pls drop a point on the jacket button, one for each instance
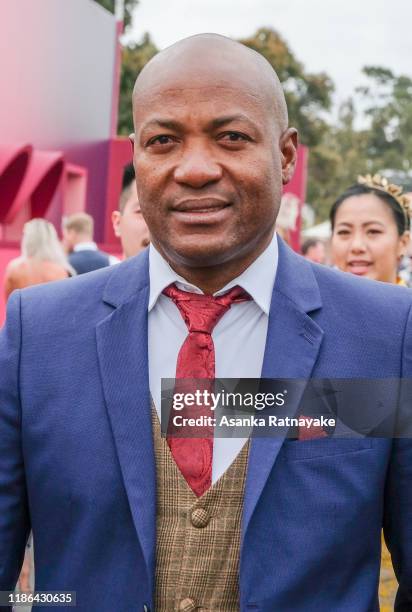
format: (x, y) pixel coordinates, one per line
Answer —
(187, 605)
(146, 608)
(199, 518)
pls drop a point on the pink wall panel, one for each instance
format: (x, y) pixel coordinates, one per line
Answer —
(59, 94)
(59, 85)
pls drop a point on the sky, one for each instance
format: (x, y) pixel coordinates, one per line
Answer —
(338, 37)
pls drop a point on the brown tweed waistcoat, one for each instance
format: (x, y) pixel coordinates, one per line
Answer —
(198, 538)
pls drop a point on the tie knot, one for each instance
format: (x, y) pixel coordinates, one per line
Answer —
(201, 312)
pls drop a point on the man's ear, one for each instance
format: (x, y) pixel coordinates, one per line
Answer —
(132, 141)
(288, 148)
(116, 215)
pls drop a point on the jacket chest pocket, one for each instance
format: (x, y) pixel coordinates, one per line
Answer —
(324, 447)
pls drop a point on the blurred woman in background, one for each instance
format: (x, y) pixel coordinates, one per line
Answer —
(42, 258)
(370, 229)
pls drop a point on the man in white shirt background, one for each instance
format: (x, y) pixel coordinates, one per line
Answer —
(83, 253)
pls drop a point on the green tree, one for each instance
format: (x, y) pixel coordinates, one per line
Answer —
(308, 95)
(337, 161)
(388, 106)
(383, 143)
(134, 57)
(129, 6)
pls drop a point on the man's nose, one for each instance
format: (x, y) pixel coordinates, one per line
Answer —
(197, 168)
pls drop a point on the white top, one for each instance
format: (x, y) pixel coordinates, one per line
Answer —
(239, 337)
(85, 246)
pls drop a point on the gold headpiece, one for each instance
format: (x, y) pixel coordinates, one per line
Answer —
(382, 184)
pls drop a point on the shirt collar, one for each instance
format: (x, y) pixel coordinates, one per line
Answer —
(258, 279)
(85, 246)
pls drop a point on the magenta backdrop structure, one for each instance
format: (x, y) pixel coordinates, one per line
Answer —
(60, 61)
(59, 152)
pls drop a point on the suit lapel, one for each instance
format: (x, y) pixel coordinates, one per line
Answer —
(292, 345)
(123, 359)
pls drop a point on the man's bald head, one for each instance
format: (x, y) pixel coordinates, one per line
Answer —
(198, 59)
(212, 150)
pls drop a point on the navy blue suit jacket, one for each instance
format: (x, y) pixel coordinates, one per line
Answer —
(77, 461)
(87, 260)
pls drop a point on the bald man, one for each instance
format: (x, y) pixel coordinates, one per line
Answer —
(133, 520)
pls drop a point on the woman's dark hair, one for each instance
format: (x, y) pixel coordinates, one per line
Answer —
(399, 215)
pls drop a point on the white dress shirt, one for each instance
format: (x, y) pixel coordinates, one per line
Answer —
(239, 337)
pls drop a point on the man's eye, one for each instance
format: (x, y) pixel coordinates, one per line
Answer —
(233, 137)
(162, 139)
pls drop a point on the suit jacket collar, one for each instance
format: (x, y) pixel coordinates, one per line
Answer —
(296, 280)
(258, 279)
(127, 279)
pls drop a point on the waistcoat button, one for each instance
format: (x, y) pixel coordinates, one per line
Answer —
(200, 517)
(187, 605)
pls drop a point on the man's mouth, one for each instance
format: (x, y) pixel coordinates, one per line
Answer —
(359, 266)
(201, 210)
(200, 205)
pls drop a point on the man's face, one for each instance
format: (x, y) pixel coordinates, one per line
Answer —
(68, 239)
(130, 226)
(209, 166)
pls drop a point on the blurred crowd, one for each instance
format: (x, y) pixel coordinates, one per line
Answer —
(45, 258)
(369, 237)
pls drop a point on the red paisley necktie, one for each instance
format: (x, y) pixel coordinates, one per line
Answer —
(196, 359)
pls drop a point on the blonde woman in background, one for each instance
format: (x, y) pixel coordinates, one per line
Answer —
(42, 259)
